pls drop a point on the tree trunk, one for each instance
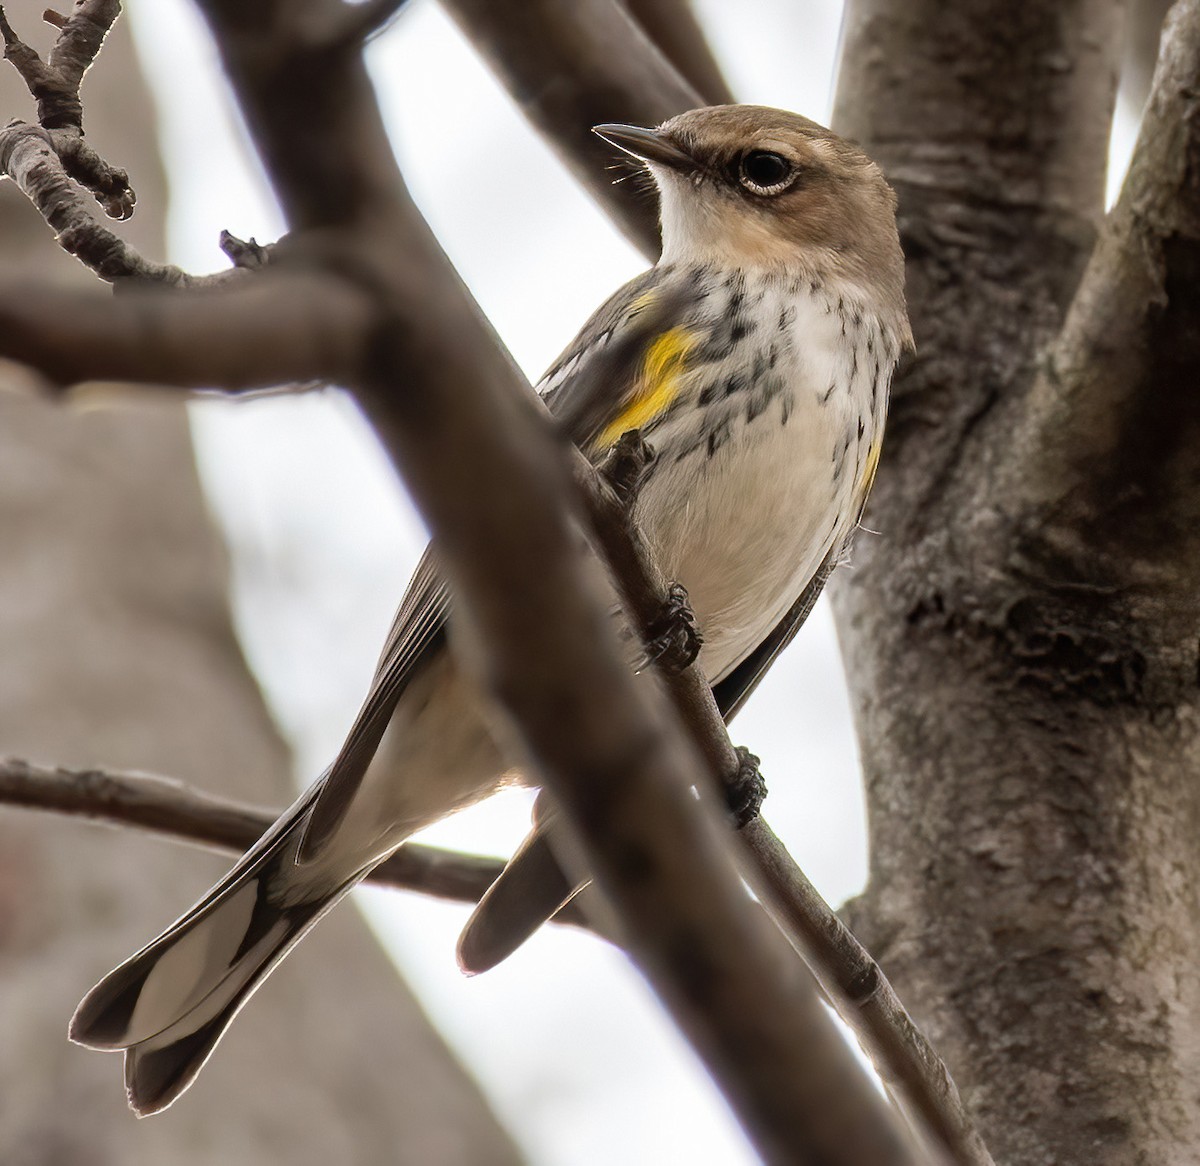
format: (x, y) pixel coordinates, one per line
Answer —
(1020, 639)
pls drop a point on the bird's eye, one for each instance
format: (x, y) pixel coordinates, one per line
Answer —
(765, 172)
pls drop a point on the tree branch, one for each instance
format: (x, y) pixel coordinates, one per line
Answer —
(915, 1075)
(674, 29)
(572, 66)
(1114, 420)
(171, 808)
(55, 85)
(283, 325)
(598, 738)
(50, 160)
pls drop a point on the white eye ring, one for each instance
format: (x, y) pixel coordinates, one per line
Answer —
(765, 172)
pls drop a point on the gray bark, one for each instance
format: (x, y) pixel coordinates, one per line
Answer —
(1021, 638)
(118, 649)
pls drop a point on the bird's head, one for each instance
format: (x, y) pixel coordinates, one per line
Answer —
(749, 186)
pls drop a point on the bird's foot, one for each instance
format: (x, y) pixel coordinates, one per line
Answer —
(746, 789)
(673, 639)
(624, 469)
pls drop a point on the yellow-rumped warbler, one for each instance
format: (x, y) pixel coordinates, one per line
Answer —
(764, 397)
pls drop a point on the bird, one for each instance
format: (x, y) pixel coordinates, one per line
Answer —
(756, 357)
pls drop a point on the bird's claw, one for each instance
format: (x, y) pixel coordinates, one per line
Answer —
(625, 467)
(745, 790)
(673, 639)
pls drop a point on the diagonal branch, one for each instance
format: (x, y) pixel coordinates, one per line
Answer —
(673, 27)
(599, 738)
(572, 66)
(915, 1075)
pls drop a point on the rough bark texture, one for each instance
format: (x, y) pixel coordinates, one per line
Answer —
(1021, 638)
(118, 648)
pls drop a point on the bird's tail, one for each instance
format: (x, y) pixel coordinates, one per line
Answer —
(168, 1005)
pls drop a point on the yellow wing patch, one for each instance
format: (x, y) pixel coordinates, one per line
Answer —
(657, 387)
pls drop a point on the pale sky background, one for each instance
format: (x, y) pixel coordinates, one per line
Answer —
(565, 1039)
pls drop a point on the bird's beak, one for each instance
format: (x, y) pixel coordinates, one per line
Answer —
(649, 145)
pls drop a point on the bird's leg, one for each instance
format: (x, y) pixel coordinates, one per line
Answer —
(624, 469)
(745, 790)
(672, 639)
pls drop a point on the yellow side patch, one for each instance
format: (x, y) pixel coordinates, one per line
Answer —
(868, 475)
(657, 386)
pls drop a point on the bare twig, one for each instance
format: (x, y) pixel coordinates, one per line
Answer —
(171, 808)
(54, 85)
(50, 160)
(916, 1077)
(79, 39)
(573, 66)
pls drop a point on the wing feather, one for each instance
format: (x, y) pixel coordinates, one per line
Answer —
(602, 364)
(417, 633)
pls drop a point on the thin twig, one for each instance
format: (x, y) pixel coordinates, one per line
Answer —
(51, 161)
(163, 806)
(917, 1078)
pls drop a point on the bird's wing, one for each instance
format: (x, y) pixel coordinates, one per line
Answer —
(623, 370)
(417, 633)
(734, 690)
(620, 355)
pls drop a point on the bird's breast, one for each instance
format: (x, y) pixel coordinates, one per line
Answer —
(763, 464)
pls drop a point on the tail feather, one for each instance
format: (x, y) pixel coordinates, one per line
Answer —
(528, 891)
(170, 1003)
(156, 1073)
(159, 1068)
